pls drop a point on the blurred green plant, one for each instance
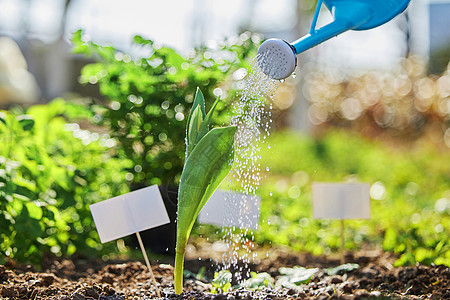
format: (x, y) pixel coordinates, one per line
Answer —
(50, 171)
(410, 191)
(147, 99)
(292, 278)
(345, 268)
(258, 280)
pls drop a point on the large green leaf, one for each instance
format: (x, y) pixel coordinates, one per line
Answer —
(206, 166)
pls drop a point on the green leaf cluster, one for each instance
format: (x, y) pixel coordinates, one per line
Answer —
(221, 282)
(145, 98)
(292, 278)
(258, 280)
(48, 177)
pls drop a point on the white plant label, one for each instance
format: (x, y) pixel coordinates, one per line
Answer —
(341, 200)
(231, 209)
(130, 213)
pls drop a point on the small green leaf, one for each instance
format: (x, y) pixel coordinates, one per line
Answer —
(34, 211)
(345, 268)
(194, 126)
(26, 121)
(141, 41)
(204, 127)
(221, 282)
(199, 100)
(258, 280)
(293, 277)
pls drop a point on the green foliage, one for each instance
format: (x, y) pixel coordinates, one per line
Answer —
(221, 282)
(48, 178)
(410, 190)
(51, 171)
(147, 99)
(209, 157)
(258, 280)
(291, 278)
(345, 268)
(197, 276)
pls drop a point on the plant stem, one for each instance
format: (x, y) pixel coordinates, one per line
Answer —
(342, 243)
(179, 265)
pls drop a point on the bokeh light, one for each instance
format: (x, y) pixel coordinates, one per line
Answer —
(404, 102)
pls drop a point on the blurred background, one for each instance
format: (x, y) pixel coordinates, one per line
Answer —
(35, 48)
(372, 106)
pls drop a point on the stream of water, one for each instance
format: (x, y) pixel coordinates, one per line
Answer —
(252, 115)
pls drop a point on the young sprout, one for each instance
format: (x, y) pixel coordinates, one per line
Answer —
(209, 156)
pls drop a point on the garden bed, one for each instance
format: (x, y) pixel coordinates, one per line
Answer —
(83, 279)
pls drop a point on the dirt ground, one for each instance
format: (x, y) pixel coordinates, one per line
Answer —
(375, 278)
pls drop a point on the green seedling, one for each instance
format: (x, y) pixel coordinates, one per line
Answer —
(197, 276)
(258, 280)
(209, 156)
(221, 282)
(345, 268)
(294, 277)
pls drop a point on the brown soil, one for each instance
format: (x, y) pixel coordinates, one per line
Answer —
(81, 279)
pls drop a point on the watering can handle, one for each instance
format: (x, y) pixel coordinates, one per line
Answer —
(347, 15)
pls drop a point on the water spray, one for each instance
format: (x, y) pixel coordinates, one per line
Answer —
(278, 58)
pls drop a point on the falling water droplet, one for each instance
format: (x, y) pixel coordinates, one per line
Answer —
(294, 75)
(252, 116)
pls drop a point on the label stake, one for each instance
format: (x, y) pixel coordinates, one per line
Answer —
(147, 262)
(342, 243)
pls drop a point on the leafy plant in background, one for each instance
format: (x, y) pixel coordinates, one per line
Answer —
(48, 178)
(51, 170)
(147, 99)
(410, 190)
(209, 156)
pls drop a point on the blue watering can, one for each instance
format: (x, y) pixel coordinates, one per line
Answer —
(278, 58)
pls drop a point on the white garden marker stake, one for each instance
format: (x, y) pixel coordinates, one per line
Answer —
(341, 201)
(130, 213)
(147, 262)
(231, 209)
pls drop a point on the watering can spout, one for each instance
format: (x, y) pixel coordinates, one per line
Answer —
(277, 58)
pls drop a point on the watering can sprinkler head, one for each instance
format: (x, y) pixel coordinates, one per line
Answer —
(277, 58)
